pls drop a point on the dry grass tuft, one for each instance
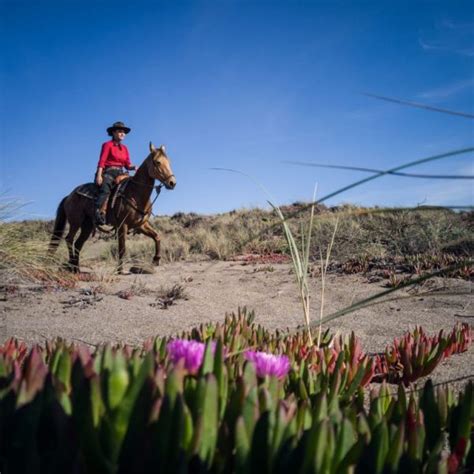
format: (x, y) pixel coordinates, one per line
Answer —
(23, 252)
(167, 296)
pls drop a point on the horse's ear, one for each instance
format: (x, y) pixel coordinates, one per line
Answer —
(163, 149)
(152, 147)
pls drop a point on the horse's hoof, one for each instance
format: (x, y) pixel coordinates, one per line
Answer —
(71, 267)
(121, 271)
(142, 270)
(156, 262)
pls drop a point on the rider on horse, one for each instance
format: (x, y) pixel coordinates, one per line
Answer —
(114, 156)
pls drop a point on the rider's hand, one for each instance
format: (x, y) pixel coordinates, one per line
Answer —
(99, 180)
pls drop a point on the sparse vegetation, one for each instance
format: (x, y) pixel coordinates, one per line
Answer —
(365, 235)
(167, 296)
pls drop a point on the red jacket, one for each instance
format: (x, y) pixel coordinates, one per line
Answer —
(114, 154)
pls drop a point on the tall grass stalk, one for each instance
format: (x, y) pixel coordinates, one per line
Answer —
(300, 260)
(324, 268)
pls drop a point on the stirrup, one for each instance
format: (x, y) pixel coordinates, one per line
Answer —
(99, 217)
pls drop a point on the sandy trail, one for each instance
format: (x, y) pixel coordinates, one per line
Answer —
(214, 288)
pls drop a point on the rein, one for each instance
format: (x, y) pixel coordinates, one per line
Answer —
(158, 189)
(152, 185)
(146, 211)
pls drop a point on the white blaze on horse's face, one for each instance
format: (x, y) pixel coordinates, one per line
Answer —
(160, 167)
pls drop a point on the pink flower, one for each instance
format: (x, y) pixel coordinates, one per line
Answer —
(269, 364)
(191, 351)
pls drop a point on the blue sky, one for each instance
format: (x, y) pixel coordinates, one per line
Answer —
(236, 84)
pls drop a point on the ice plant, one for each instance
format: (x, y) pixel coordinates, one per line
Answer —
(140, 408)
(269, 364)
(417, 354)
(191, 351)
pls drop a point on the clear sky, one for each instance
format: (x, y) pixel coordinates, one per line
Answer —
(237, 84)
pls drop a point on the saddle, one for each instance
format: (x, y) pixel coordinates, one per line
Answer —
(91, 190)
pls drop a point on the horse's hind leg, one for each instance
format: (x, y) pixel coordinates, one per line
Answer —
(147, 229)
(86, 230)
(59, 226)
(73, 228)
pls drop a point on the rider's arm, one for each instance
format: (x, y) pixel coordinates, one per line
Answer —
(104, 153)
(128, 164)
(98, 176)
(100, 166)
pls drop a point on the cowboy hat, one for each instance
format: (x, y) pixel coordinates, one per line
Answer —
(117, 126)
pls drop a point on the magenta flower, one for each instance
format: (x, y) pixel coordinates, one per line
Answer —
(269, 364)
(191, 351)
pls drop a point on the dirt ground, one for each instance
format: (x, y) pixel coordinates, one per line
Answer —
(99, 311)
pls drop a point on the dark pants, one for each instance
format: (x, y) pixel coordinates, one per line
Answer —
(107, 184)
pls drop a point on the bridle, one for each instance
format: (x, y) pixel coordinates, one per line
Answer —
(158, 189)
(162, 181)
(167, 178)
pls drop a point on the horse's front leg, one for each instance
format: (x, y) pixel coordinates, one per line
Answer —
(147, 229)
(122, 233)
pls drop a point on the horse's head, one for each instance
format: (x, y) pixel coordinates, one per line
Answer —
(159, 166)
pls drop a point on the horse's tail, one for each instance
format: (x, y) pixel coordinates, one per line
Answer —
(59, 226)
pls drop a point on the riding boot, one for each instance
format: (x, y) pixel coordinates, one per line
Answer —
(101, 212)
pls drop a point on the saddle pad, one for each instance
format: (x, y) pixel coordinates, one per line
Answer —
(88, 190)
(118, 190)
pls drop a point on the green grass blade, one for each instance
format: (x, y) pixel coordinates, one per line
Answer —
(373, 170)
(419, 105)
(397, 168)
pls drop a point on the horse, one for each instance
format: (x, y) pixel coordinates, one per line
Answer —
(129, 211)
